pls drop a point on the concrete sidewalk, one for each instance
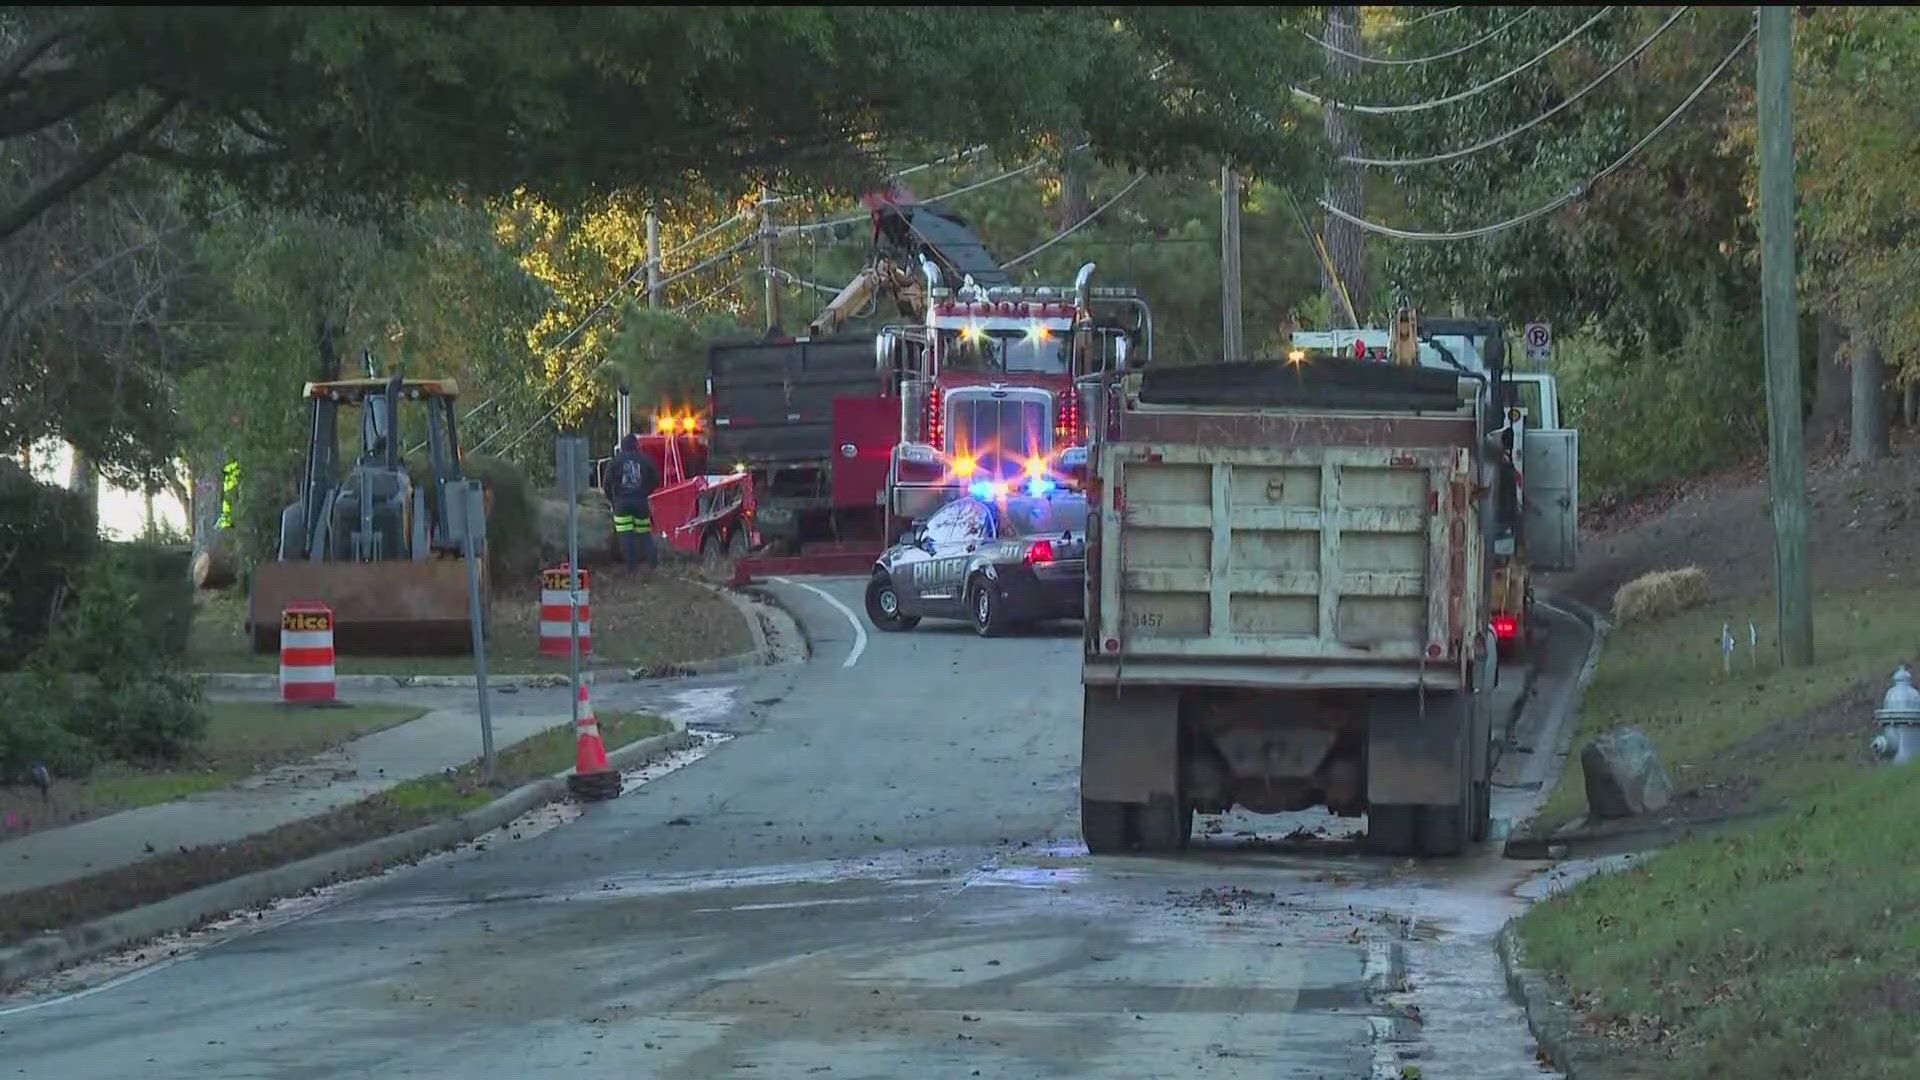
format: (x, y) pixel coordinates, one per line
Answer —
(447, 737)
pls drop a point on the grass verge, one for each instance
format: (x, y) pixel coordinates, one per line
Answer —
(1760, 734)
(242, 738)
(637, 622)
(1788, 949)
(408, 805)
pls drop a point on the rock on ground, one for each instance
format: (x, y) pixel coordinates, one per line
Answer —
(1624, 775)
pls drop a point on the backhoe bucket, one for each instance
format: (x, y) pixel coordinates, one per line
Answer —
(399, 608)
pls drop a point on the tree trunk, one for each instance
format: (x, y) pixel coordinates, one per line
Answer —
(84, 479)
(1869, 431)
(1830, 393)
(1348, 281)
(1912, 410)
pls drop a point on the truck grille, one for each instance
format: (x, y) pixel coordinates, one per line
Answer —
(1001, 433)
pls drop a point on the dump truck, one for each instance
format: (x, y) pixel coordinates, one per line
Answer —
(1288, 592)
(366, 539)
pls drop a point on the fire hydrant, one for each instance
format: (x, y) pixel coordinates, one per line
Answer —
(1899, 718)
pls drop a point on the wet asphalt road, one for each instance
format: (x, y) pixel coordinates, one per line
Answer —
(879, 875)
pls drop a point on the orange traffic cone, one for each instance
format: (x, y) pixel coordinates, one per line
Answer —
(593, 777)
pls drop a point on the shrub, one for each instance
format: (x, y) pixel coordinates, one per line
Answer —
(1663, 411)
(46, 533)
(115, 675)
(513, 518)
(162, 579)
(1661, 593)
(158, 717)
(33, 712)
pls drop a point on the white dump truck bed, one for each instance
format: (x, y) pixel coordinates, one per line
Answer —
(1258, 547)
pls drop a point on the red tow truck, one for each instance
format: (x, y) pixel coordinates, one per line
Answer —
(694, 512)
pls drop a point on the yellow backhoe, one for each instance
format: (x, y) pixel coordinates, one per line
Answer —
(367, 540)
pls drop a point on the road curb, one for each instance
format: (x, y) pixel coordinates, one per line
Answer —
(1629, 837)
(256, 681)
(1520, 841)
(1548, 1018)
(52, 951)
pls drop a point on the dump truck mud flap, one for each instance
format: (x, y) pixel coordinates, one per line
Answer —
(1418, 750)
(1130, 744)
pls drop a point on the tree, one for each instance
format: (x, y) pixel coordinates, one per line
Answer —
(94, 330)
(369, 108)
(299, 298)
(1344, 273)
(1667, 236)
(1861, 200)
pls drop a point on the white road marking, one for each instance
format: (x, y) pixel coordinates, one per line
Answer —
(1378, 971)
(1386, 1060)
(859, 632)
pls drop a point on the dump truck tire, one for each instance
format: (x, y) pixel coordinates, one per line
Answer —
(1392, 829)
(1104, 826)
(1444, 830)
(1165, 823)
(1482, 820)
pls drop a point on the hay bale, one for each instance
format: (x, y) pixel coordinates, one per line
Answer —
(1660, 594)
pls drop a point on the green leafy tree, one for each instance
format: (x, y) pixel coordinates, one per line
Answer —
(304, 295)
(1859, 73)
(322, 107)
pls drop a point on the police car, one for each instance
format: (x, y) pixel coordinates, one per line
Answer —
(997, 562)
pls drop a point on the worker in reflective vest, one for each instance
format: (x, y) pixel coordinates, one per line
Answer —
(230, 482)
(630, 480)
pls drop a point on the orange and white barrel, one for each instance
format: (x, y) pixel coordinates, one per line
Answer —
(555, 625)
(306, 652)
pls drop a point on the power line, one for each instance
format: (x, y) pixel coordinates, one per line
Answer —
(627, 283)
(1576, 192)
(1396, 27)
(1434, 103)
(1076, 226)
(1474, 44)
(710, 297)
(795, 279)
(725, 253)
(1536, 121)
(678, 248)
(1008, 175)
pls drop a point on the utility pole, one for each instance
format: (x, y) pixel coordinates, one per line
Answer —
(653, 265)
(1345, 280)
(1230, 322)
(1786, 458)
(766, 258)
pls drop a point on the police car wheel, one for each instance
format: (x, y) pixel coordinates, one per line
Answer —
(883, 606)
(987, 620)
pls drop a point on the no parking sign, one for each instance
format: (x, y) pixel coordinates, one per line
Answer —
(1539, 341)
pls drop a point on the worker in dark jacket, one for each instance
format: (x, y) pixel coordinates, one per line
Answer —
(630, 480)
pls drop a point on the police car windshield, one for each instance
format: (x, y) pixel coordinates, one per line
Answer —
(1044, 516)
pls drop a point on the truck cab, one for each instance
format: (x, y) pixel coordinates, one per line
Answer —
(995, 388)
